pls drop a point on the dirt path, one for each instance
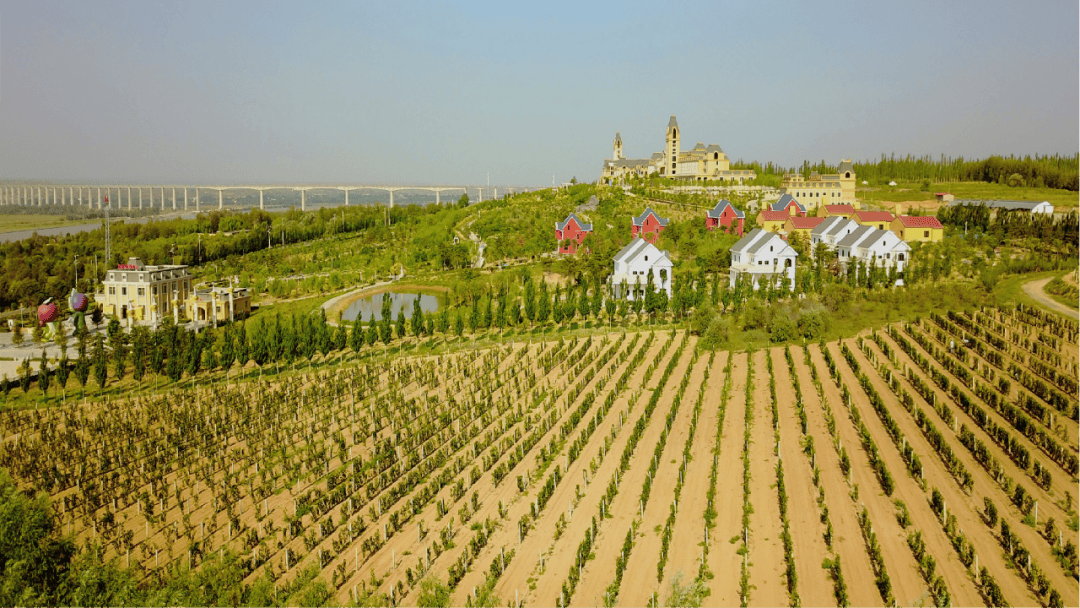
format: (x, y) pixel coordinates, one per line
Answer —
(768, 586)
(808, 542)
(724, 561)
(688, 535)
(847, 538)
(1036, 291)
(984, 484)
(641, 578)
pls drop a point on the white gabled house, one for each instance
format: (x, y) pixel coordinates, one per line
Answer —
(872, 246)
(762, 254)
(632, 270)
(831, 231)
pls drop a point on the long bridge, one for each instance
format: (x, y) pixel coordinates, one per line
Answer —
(92, 196)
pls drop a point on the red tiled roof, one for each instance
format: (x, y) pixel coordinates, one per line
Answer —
(805, 223)
(841, 208)
(768, 215)
(874, 216)
(920, 221)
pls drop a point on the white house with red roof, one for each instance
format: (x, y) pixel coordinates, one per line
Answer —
(637, 265)
(648, 225)
(570, 233)
(725, 214)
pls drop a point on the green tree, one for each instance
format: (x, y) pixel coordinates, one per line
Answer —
(101, 370)
(25, 379)
(17, 335)
(228, 353)
(356, 336)
(242, 352)
(401, 323)
(43, 374)
(687, 595)
(543, 305)
(38, 335)
(459, 324)
(433, 593)
(61, 337)
(530, 300)
(82, 366)
(417, 317)
(372, 332)
(33, 558)
(63, 369)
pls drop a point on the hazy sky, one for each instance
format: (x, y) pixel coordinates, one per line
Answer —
(394, 92)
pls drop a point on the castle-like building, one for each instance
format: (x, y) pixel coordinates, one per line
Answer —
(832, 189)
(699, 164)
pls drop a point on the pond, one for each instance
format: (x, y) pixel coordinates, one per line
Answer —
(370, 307)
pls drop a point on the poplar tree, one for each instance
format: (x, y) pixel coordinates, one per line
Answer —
(530, 300)
(119, 348)
(101, 371)
(289, 339)
(356, 336)
(556, 306)
(372, 335)
(82, 366)
(543, 308)
(401, 324)
(241, 348)
(62, 370)
(43, 374)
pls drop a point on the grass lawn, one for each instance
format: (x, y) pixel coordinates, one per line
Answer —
(16, 222)
(1010, 290)
(906, 191)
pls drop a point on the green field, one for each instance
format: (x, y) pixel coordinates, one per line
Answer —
(905, 191)
(15, 222)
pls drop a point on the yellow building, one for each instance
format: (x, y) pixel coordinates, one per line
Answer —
(925, 228)
(145, 293)
(772, 221)
(820, 189)
(219, 304)
(843, 210)
(699, 164)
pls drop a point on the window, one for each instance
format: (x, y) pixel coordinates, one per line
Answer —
(123, 291)
(142, 291)
(926, 234)
(112, 291)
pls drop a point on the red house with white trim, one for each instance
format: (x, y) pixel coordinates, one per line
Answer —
(648, 225)
(570, 233)
(789, 205)
(725, 214)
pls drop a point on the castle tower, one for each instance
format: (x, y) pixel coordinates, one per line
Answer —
(617, 154)
(671, 147)
(847, 181)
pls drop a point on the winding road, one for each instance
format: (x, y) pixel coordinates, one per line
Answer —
(1034, 289)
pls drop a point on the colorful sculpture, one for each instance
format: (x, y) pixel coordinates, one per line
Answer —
(48, 312)
(78, 303)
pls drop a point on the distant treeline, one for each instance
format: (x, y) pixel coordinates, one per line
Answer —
(1062, 172)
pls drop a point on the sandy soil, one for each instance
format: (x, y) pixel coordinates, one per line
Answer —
(640, 578)
(814, 586)
(688, 535)
(724, 562)
(847, 539)
(767, 580)
(984, 484)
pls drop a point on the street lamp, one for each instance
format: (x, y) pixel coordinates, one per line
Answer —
(76, 272)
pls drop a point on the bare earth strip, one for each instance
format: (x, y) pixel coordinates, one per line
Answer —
(847, 539)
(984, 484)
(907, 584)
(808, 541)
(640, 579)
(724, 562)
(767, 580)
(688, 534)
(957, 577)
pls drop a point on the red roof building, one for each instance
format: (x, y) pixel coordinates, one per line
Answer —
(843, 210)
(570, 233)
(648, 225)
(877, 219)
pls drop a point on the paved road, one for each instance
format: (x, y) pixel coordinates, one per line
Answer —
(1034, 289)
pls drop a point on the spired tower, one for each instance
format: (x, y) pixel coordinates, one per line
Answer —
(671, 148)
(617, 154)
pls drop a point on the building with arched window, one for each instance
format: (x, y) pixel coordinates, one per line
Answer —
(822, 189)
(762, 255)
(699, 164)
